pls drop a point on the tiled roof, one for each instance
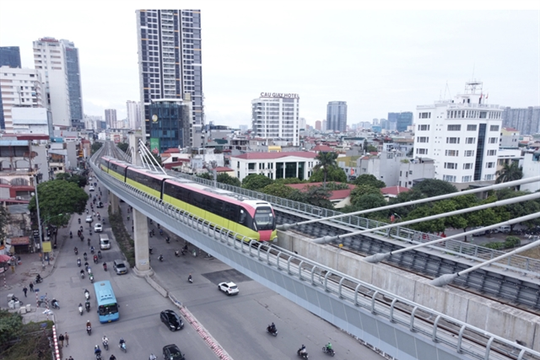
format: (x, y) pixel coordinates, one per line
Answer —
(394, 190)
(275, 155)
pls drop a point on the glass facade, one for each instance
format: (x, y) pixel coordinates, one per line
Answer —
(10, 56)
(170, 123)
(336, 116)
(74, 85)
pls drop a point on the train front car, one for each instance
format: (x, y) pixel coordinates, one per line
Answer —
(264, 220)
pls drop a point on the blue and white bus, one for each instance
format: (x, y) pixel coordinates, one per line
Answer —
(106, 302)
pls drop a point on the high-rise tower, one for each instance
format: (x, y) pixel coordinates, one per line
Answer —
(275, 116)
(10, 56)
(170, 60)
(74, 84)
(336, 116)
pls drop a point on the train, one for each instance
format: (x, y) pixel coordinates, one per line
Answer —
(254, 219)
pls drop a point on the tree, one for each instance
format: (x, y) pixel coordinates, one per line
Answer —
(58, 199)
(434, 187)
(280, 190)
(4, 220)
(509, 173)
(11, 328)
(371, 149)
(318, 196)
(334, 173)
(81, 181)
(123, 146)
(256, 182)
(515, 210)
(225, 178)
(326, 161)
(358, 192)
(96, 146)
(368, 179)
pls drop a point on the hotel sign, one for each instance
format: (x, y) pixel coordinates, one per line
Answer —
(279, 95)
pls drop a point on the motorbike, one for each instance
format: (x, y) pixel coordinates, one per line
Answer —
(89, 241)
(91, 277)
(90, 231)
(168, 240)
(89, 329)
(160, 258)
(82, 273)
(328, 351)
(55, 304)
(99, 254)
(302, 353)
(176, 253)
(81, 310)
(38, 279)
(79, 262)
(70, 235)
(105, 342)
(92, 250)
(95, 259)
(105, 266)
(272, 331)
(190, 279)
(85, 257)
(79, 220)
(86, 294)
(123, 345)
(87, 306)
(76, 251)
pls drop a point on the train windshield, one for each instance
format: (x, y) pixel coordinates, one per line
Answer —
(264, 218)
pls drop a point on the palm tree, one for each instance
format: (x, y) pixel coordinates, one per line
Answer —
(509, 173)
(326, 161)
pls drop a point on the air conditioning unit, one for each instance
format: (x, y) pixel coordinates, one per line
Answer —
(18, 197)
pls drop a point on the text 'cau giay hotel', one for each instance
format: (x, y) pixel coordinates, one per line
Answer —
(461, 136)
(275, 116)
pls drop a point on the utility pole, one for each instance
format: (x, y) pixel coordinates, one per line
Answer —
(39, 226)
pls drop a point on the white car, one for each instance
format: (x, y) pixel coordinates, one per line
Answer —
(91, 188)
(89, 219)
(98, 227)
(228, 288)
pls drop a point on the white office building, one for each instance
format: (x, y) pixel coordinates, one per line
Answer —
(134, 114)
(275, 116)
(18, 88)
(461, 136)
(50, 61)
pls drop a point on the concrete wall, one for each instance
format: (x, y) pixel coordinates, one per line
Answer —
(491, 316)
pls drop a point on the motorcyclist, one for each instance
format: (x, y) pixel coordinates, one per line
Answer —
(80, 308)
(190, 278)
(85, 256)
(82, 274)
(112, 357)
(54, 303)
(92, 249)
(176, 253)
(79, 220)
(122, 343)
(160, 257)
(87, 305)
(99, 254)
(105, 266)
(70, 235)
(76, 250)
(79, 262)
(97, 350)
(329, 347)
(302, 350)
(105, 340)
(88, 325)
(152, 357)
(272, 328)
(38, 278)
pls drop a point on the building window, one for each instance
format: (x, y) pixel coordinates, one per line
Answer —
(449, 178)
(451, 152)
(471, 127)
(493, 140)
(424, 115)
(467, 166)
(494, 128)
(423, 127)
(422, 139)
(466, 178)
(492, 152)
(251, 166)
(454, 128)
(452, 140)
(470, 140)
(490, 165)
(490, 177)
(450, 165)
(421, 151)
(469, 153)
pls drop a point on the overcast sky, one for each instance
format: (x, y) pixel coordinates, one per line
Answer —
(387, 58)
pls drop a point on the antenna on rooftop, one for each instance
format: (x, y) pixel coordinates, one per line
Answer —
(447, 90)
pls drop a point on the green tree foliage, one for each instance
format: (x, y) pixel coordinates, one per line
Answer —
(368, 179)
(11, 327)
(335, 173)
(281, 190)
(4, 221)
(96, 146)
(256, 182)
(206, 175)
(358, 192)
(81, 181)
(123, 146)
(434, 187)
(512, 211)
(371, 149)
(225, 178)
(327, 161)
(58, 199)
(509, 172)
(318, 196)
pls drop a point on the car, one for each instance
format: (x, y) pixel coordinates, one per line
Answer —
(91, 188)
(89, 219)
(172, 320)
(99, 205)
(120, 267)
(228, 288)
(504, 229)
(98, 227)
(172, 352)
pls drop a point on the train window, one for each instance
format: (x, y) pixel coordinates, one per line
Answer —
(243, 216)
(264, 218)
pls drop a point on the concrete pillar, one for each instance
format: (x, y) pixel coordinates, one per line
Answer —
(133, 141)
(140, 237)
(115, 203)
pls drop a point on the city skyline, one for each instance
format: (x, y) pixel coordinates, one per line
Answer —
(377, 60)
